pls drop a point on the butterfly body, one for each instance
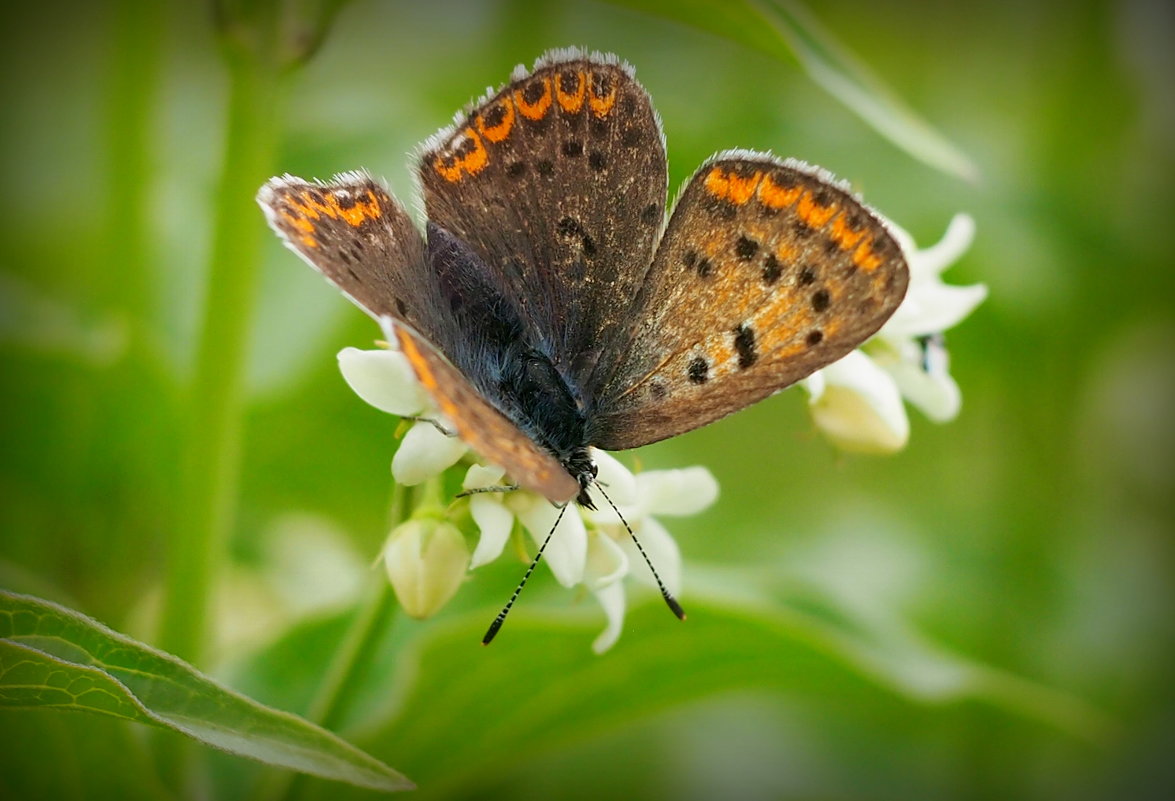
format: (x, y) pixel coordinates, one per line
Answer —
(550, 306)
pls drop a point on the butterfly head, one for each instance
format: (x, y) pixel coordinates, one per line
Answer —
(581, 467)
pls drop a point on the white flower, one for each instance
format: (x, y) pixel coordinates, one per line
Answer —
(857, 401)
(426, 560)
(592, 547)
(384, 379)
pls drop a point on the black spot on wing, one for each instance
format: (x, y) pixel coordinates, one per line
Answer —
(771, 269)
(746, 248)
(698, 370)
(744, 346)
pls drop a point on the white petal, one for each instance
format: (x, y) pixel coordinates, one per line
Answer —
(566, 552)
(606, 561)
(425, 452)
(482, 476)
(495, 522)
(932, 308)
(611, 598)
(384, 379)
(617, 479)
(861, 408)
(814, 384)
(662, 551)
(620, 485)
(681, 492)
(936, 394)
(948, 250)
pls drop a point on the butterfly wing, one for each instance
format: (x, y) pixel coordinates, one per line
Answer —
(356, 234)
(558, 183)
(360, 238)
(480, 425)
(768, 270)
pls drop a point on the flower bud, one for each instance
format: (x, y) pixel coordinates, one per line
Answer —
(426, 562)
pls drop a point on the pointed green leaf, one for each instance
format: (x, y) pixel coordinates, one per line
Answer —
(53, 657)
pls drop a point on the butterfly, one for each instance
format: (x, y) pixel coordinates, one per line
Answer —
(551, 303)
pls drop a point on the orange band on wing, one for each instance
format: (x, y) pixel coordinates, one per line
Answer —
(844, 236)
(571, 102)
(774, 196)
(602, 103)
(538, 108)
(471, 160)
(312, 207)
(731, 187)
(503, 116)
(865, 258)
(812, 212)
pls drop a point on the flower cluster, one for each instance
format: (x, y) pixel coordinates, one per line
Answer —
(857, 402)
(427, 557)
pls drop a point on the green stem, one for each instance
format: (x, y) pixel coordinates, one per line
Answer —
(210, 444)
(358, 647)
(345, 675)
(212, 437)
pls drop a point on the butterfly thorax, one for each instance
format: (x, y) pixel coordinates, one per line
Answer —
(544, 406)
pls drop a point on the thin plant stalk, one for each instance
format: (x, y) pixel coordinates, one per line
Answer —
(346, 672)
(211, 439)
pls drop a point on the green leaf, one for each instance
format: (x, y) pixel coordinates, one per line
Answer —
(786, 30)
(461, 715)
(53, 657)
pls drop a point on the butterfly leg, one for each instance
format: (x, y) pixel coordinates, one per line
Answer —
(432, 423)
(494, 488)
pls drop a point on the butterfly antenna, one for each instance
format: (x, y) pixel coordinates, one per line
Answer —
(669, 599)
(497, 624)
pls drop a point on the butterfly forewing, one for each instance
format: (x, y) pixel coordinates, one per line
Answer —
(357, 235)
(558, 181)
(768, 271)
(353, 232)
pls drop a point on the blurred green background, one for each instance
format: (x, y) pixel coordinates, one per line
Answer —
(984, 615)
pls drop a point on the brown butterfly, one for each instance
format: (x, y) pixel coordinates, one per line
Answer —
(550, 307)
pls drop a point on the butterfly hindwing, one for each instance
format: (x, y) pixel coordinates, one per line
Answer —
(768, 270)
(558, 182)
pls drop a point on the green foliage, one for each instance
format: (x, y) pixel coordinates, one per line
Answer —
(781, 28)
(986, 615)
(54, 658)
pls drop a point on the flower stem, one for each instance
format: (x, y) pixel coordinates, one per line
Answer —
(210, 441)
(212, 436)
(345, 675)
(358, 646)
